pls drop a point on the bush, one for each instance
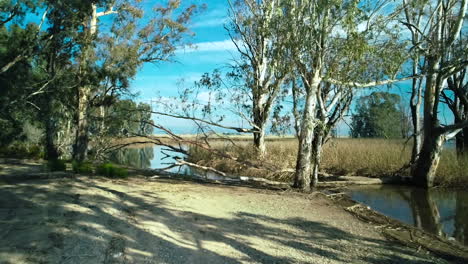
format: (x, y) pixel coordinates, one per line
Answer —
(112, 171)
(19, 150)
(56, 165)
(82, 167)
(35, 151)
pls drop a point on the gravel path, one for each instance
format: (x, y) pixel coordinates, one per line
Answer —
(93, 220)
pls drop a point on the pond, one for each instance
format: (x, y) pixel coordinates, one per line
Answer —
(154, 157)
(439, 211)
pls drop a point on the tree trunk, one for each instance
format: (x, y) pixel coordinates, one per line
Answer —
(429, 156)
(295, 110)
(304, 156)
(80, 149)
(259, 141)
(51, 152)
(415, 106)
(261, 111)
(428, 161)
(317, 152)
(462, 143)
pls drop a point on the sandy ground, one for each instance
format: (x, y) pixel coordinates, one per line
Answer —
(96, 220)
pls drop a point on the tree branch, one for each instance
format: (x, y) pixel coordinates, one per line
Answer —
(370, 84)
(238, 129)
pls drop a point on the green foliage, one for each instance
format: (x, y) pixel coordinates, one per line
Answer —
(35, 151)
(19, 150)
(43, 68)
(111, 170)
(82, 167)
(125, 117)
(56, 165)
(378, 115)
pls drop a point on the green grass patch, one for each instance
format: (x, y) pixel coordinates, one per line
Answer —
(56, 165)
(111, 170)
(82, 167)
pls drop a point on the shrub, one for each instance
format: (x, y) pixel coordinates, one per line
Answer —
(82, 167)
(35, 151)
(19, 150)
(112, 171)
(56, 165)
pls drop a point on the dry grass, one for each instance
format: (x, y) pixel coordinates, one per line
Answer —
(364, 157)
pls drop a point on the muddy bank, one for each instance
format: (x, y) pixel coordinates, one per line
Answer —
(400, 232)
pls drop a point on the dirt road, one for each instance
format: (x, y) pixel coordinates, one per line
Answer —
(96, 220)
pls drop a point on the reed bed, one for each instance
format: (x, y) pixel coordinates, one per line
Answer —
(363, 157)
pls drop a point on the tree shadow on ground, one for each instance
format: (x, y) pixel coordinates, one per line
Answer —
(81, 221)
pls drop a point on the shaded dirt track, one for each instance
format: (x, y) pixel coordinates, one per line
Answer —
(94, 220)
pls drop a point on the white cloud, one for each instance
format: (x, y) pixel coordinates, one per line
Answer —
(224, 45)
(210, 22)
(204, 97)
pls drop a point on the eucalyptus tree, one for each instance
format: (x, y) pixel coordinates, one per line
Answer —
(319, 30)
(26, 50)
(414, 16)
(378, 115)
(440, 28)
(108, 59)
(333, 102)
(255, 31)
(456, 97)
(13, 12)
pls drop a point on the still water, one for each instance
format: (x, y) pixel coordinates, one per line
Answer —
(156, 158)
(439, 211)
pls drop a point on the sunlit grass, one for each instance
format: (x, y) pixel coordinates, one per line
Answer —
(363, 157)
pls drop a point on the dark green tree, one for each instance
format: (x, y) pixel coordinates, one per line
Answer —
(378, 115)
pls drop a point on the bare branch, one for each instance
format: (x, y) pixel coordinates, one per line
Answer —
(238, 129)
(370, 84)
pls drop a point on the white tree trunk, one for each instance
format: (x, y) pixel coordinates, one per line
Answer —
(429, 156)
(304, 157)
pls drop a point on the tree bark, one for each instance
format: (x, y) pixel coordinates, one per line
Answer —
(428, 161)
(317, 152)
(260, 116)
(460, 144)
(80, 148)
(51, 150)
(304, 157)
(429, 156)
(415, 106)
(259, 141)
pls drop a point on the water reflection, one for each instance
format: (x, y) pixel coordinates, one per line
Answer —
(441, 212)
(134, 157)
(155, 157)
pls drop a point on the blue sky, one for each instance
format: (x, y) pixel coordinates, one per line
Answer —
(212, 49)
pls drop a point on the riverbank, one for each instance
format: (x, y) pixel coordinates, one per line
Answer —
(374, 158)
(139, 220)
